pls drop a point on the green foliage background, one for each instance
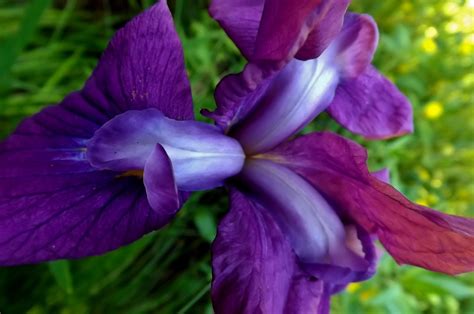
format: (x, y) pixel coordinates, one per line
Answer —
(48, 48)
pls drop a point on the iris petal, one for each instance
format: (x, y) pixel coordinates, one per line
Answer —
(255, 269)
(316, 233)
(282, 27)
(372, 106)
(282, 104)
(202, 157)
(53, 203)
(411, 233)
(161, 189)
(301, 91)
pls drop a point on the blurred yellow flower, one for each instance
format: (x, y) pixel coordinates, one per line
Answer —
(353, 287)
(448, 150)
(433, 110)
(429, 45)
(467, 45)
(436, 183)
(423, 174)
(452, 27)
(451, 8)
(431, 32)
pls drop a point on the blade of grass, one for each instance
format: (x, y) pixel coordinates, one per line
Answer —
(11, 47)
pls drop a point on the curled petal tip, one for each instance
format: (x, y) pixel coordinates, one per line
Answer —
(161, 189)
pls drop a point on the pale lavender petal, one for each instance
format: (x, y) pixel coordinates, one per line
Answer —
(271, 106)
(254, 268)
(314, 230)
(161, 189)
(372, 106)
(301, 91)
(202, 157)
(412, 234)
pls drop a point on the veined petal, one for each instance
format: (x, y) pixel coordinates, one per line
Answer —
(202, 157)
(314, 230)
(142, 67)
(53, 203)
(254, 268)
(372, 106)
(272, 106)
(411, 233)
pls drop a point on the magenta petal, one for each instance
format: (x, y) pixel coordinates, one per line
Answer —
(328, 25)
(286, 24)
(411, 233)
(161, 189)
(254, 268)
(272, 30)
(372, 106)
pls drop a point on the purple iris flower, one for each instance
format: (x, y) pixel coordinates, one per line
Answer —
(118, 158)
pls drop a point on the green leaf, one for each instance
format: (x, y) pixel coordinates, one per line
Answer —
(62, 274)
(206, 224)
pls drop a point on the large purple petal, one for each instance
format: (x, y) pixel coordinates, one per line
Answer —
(53, 204)
(255, 270)
(412, 234)
(142, 67)
(372, 106)
(202, 157)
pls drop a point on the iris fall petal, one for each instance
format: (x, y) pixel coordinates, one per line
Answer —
(411, 233)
